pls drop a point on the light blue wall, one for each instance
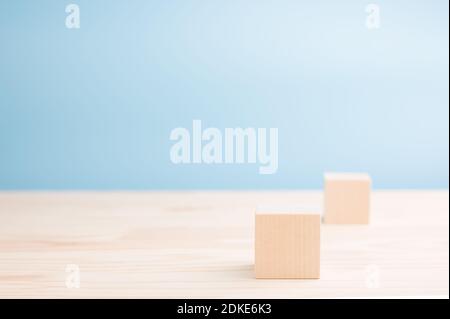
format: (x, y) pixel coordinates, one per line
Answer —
(93, 108)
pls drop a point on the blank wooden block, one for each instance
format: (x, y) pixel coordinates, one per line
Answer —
(287, 244)
(347, 198)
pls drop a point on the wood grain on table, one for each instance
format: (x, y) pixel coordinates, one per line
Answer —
(201, 245)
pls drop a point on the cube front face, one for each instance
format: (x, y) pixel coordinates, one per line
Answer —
(347, 201)
(287, 246)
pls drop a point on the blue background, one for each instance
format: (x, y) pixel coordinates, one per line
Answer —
(93, 108)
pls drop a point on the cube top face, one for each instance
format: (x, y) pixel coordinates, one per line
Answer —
(286, 210)
(347, 177)
(347, 198)
(287, 245)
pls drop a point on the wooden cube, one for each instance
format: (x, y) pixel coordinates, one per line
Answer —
(347, 198)
(287, 244)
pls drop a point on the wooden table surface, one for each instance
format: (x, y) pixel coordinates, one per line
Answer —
(200, 245)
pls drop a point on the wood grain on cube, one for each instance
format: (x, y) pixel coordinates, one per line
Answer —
(347, 198)
(287, 245)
